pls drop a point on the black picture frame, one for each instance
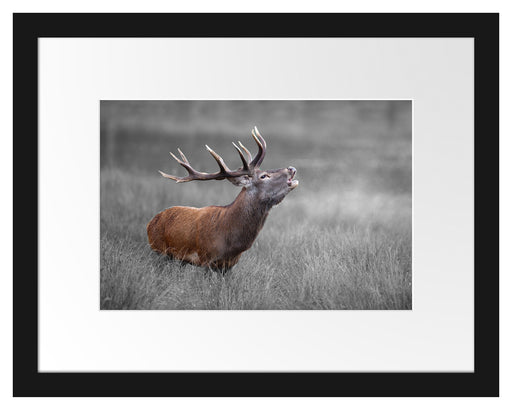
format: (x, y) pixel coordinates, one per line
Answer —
(28, 381)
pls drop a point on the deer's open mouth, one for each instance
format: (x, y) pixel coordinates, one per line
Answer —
(292, 182)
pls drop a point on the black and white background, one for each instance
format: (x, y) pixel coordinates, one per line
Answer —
(341, 241)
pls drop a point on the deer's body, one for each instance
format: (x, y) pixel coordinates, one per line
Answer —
(216, 236)
(213, 236)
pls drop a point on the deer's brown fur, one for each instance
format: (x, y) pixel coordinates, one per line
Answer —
(216, 236)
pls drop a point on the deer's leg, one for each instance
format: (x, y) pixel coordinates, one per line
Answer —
(224, 265)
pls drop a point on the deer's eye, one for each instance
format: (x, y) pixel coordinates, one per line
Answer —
(264, 176)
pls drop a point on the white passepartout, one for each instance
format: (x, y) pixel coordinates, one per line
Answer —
(75, 74)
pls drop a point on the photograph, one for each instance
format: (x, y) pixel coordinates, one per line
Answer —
(304, 208)
(256, 205)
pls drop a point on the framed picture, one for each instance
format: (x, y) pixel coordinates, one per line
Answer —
(354, 251)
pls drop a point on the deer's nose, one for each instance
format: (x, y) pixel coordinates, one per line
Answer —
(292, 170)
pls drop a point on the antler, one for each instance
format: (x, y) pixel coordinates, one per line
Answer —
(262, 148)
(225, 172)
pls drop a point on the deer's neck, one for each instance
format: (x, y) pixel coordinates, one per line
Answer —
(247, 215)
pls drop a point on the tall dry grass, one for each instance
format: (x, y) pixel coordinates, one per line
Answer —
(325, 250)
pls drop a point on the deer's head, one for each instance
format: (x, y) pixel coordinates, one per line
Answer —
(269, 187)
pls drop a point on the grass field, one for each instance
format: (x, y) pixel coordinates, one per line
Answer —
(341, 240)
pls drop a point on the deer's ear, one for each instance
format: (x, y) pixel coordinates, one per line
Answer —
(241, 181)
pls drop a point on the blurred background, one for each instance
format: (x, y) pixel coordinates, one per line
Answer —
(346, 143)
(344, 233)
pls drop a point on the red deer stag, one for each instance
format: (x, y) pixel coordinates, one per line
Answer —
(216, 236)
